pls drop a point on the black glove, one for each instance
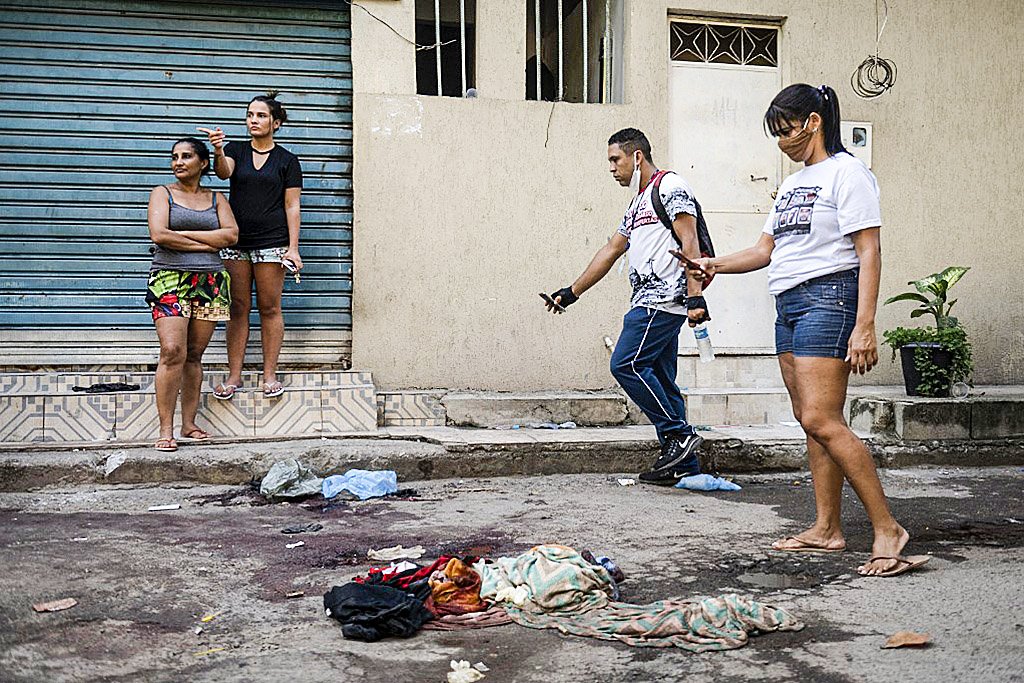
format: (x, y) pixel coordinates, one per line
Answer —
(565, 297)
(694, 302)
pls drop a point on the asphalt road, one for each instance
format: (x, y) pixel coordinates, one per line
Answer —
(144, 580)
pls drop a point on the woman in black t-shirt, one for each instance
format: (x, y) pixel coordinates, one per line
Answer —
(266, 183)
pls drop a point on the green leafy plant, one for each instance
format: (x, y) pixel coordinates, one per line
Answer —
(932, 295)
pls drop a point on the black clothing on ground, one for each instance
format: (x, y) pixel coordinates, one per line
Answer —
(257, 197)
(370, 613)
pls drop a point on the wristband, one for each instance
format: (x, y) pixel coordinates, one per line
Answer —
(565, 297)
(698, 302)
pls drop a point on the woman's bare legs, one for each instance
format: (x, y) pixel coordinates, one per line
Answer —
(821, 386)
(173, 335)
(826, 532)
(269, 279)
(199, 333)
(238, 327)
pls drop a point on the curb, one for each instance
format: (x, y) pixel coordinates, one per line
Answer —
(426, 458)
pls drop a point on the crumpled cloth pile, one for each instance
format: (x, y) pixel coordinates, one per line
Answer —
(567, 593)
(403, 598)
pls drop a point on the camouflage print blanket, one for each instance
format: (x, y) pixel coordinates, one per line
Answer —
(565, 592)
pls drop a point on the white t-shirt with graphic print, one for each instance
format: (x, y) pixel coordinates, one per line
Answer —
(655, 274)
(816, 211)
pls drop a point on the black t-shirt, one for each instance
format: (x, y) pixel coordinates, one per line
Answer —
(257, 197)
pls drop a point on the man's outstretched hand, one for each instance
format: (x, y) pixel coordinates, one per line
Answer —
(560, 300)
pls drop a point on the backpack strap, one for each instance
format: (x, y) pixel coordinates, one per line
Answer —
(659, 206)
(703, 235)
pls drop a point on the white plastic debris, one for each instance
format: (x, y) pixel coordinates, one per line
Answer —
(113, 462)
(626, 482)
(297, 544)
(462, 672)
(396, 552)
(164, 508)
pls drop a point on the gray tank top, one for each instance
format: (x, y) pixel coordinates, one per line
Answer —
(184, 218)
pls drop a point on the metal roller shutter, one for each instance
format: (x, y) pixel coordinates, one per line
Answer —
(93, 93)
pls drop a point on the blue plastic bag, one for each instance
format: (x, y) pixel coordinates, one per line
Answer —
(362, 484)
(705, 482)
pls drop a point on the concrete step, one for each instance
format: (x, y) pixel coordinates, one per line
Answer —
(727, 372)
(448, 452)
(738, 406)
(988, 412)
(483, 409)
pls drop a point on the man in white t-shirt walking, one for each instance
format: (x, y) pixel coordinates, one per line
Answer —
(664, 297)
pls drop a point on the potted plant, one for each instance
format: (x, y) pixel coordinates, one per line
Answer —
(933, 358)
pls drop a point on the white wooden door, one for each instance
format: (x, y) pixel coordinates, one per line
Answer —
(716, 141)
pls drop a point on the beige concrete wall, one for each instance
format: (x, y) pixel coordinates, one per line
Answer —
(465, 209)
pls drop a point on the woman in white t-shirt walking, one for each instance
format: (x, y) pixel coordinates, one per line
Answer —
(821, 246)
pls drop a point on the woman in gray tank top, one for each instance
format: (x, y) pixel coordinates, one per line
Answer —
(188, 290)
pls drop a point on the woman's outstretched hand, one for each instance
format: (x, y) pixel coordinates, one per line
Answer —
(216, 137)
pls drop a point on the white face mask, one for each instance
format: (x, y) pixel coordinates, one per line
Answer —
(634, 182)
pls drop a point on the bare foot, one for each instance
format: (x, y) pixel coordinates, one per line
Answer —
(813, 540)
(885, 545)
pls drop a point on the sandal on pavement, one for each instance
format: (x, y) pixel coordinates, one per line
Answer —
(225, 391)
(903, 564)
(273, 389)
(167, 445)
(806, 546)
(197, 434)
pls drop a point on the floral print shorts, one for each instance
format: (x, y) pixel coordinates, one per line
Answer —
(271, 255)
(183, 293)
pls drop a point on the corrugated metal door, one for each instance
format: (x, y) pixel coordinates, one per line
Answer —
(92, 94)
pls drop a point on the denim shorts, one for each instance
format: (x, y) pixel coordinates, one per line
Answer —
(816, 317)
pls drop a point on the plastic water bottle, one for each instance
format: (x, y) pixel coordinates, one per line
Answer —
(704, 348)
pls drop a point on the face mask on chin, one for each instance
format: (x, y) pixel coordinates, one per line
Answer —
(795, 147)
(634, 181)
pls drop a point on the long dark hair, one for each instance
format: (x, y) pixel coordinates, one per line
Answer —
(200, 151)
(797, 102)
(277, 111)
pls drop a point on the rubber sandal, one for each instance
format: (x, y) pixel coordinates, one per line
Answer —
(903, 565)
(273, 390)
(805, 546)
(166, 445)
(224, 392)
(197, 434)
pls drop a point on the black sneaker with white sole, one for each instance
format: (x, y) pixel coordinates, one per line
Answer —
(678, 459)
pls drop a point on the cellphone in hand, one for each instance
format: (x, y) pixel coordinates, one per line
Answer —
(289, 265)
(682, 257)
(551, 302)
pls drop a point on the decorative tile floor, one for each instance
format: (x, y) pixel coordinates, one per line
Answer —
(38, 407)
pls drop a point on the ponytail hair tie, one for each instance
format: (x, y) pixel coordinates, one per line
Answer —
(823, 89)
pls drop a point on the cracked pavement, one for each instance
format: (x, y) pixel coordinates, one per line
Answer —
(144, 580)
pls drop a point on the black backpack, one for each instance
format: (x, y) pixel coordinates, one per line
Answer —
(707, 249)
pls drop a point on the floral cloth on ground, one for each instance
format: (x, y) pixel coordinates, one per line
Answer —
(568, 593)
(455, 590)
(183, 293)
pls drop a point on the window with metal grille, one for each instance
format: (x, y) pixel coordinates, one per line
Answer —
(724, 44)
(449, 66)
(575, 50)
